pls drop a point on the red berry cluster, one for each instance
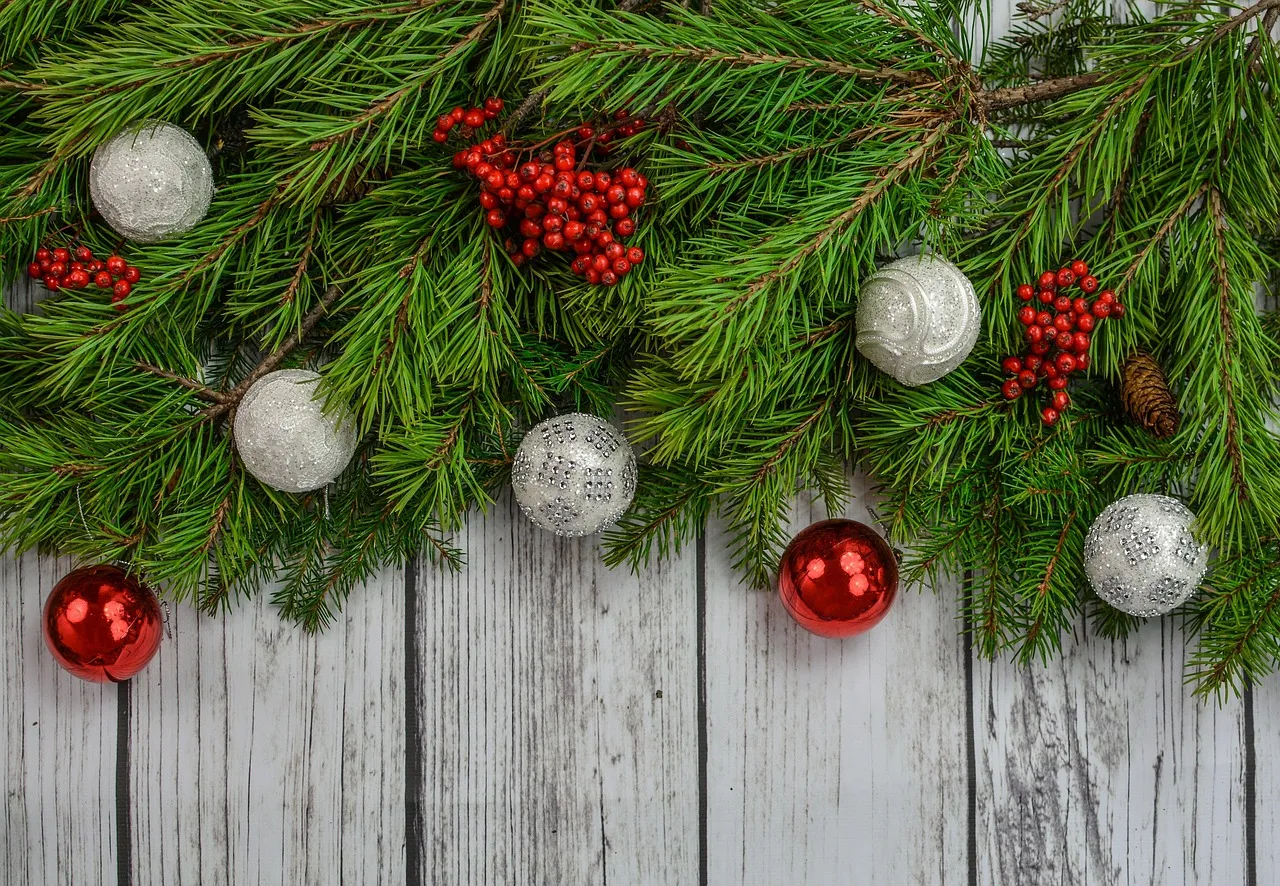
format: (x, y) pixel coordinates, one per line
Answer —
(58, 269)
(470, 119)
(1058, 334)
(552, 201)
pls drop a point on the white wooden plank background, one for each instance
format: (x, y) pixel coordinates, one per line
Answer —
(540, 719)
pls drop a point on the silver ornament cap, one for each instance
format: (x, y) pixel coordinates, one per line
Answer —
(1141, 556)
(285, 436)
(151, 182)
(918, 318)
(574, 474)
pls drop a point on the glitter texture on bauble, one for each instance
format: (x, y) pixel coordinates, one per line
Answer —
(1141, 556)
(574, 474)
(285, 436)
(151, 182)
(918, 318)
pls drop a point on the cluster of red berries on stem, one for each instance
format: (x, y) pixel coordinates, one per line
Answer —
(549, 199)
(63, 268)
(470, 119)
(1058, 334)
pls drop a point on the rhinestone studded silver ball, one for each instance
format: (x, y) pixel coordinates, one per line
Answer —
(918, 318)
(574, 474)
(1141, 556)
(286, 438)
(151, 182)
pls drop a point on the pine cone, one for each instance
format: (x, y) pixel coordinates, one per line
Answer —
(1145, 395)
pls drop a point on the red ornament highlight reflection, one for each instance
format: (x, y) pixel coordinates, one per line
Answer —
(838, 578)
(102, 624)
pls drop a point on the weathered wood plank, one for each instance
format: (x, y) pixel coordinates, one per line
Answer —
(833, 761)
(1101, 768)
(262, 754)
(1266, 747)
(557, 715)
(58, 744)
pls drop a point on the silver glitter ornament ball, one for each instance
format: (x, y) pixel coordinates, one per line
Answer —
(1141, 557)
(286, 438)
(151, 182)
(918, 319)
(574, 474)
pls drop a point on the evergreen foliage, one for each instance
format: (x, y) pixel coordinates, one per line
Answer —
(800, 143)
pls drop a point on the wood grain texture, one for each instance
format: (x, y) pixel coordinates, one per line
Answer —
(262, 754)
(58, 746)
(557, 716)
(1101, 768)
(833, 761)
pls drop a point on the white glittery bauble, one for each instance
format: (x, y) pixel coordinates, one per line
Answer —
(574, 474)
(284, 436)
(918, 319)
(151, 182)
(1141, 557)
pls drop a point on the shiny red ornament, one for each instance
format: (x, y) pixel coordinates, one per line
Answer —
(838, 578)
(102, 624)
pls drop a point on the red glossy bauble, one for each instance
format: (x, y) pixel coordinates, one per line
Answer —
(838, 578)
(102, 624)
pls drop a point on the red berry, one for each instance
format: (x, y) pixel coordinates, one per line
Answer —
(589, 202)
(543, 183)
(102, 280)
(122, 288)
(562, 188)
(615, 250)
(615, 194)
(1048, 280)
(1061, 400)
(573, 230)
(116, 265)
(1027, 379)
(565, 163)
(635, 197)
(494, 104)
(1089, 283)
(1082, 362)
(1080, 342)
(635, 255)
(619, 211)
(78, 279)
(1035, 334)
(592, 275)
(1079, 268)
(95, 266)
(1044, 318)
(604, 238)
(1057, 383)
(1026, 292)
(530, 247)
(1062, 304)
(1101, 309)
(603, 182)
(1011, 365)
(1080, 306)
(43, 254)
(62, 255)
(535, 211)
(58, 268)
(474, 118)
(439, 136)
(1040, 348)
(445, 122)
(1032, 362)
(1050, 333)
(621, 266)
(1049, 415)
(1065, 362)
(1065, 277)
(496, 218)
(488, 200)
(600, 262)
(553, 241)
(84, 253)
(625, 227)
(35, 271)
(77, 266)
(1085, 323)
(1011, 389)
(1064, 322)
(585, 132)
(627, 177)
(1117, 310)
(51, 283)
(458, 115)
(530, 228)
(608, 278)
(1046, 296)
(586, 180)
(1107, 297)
(553, 223)
(1027, 315)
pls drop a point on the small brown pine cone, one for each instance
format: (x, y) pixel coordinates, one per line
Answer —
(1145, 395)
